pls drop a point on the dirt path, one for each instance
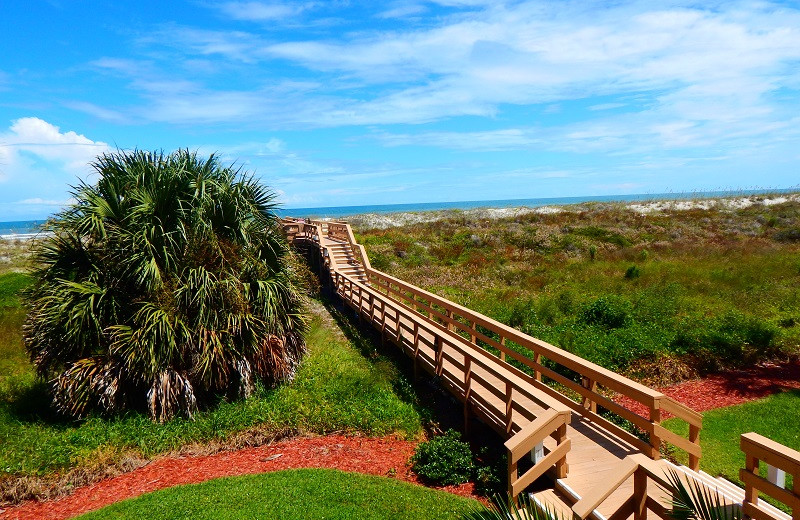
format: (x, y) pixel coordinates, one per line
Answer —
(729, 388)
(386, 456)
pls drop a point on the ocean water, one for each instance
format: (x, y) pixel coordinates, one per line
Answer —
(346, 211)
(18, 229)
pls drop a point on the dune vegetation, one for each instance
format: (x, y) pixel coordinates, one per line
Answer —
(659, 296)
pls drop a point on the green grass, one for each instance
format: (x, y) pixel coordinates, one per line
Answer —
(774, 417)
(336, 389)
(294, 494)
(705, 289)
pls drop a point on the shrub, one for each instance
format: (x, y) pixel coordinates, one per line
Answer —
(632, 272)
(732, 338)
(610, 311)
(445, 460)
(164, 285)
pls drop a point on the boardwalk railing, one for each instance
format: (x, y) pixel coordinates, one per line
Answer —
(498, 338)
(502, 367)
(546, 361)
(780, 460)
(484, 390)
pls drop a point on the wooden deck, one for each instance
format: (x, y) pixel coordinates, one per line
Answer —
(597, 469)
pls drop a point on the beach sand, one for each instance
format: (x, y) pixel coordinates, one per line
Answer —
(387, 220)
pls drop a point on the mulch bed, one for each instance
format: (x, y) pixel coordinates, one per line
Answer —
(386, 456)
(728, 388)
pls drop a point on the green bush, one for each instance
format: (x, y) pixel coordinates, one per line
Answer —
(732, 337)
(444, 460)
(609, 311)
(633, 272)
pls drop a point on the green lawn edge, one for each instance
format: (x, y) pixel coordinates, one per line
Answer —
(293, 494)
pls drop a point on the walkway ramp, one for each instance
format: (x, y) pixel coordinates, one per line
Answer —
(555, 411)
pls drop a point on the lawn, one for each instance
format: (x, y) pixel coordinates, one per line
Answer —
(659, 297)
(336, 389)
(294, 494)
(774, 417)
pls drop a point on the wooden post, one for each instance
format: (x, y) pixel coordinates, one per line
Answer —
(416, 350)
(639, 495)
(512, 476)
(655, 440)
(467, 385)
(371, 309)
(449, 315)
(509, 407)
(502, 354)
(561, 466)
(537, 359)
(750, 492)
(438, 345)
(590, 385)
(383, 323)
(472, 336)
(694, 438)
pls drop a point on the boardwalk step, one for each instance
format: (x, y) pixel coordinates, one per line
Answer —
(554, 502)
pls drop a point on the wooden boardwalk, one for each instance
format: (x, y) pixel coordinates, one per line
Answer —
(506, 379)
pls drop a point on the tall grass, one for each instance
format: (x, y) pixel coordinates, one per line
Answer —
(686, 290)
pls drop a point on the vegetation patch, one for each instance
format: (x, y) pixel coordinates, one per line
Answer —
(706, 289)
(444, 460)
(335, 389)
(294, 494)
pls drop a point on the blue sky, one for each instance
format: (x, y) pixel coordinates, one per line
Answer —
(347, 103)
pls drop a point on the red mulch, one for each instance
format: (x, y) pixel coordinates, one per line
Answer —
(375, 456)
(728, 388)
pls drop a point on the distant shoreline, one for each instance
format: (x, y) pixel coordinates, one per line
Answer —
(389, 215)
(387, 220)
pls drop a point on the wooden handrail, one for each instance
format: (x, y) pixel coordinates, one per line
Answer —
(467, 334)
(758, 448)
(654, 400)
(551, 423)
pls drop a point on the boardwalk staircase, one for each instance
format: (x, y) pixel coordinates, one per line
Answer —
(556, 411)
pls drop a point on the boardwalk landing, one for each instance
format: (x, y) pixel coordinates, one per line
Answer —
(597, 469)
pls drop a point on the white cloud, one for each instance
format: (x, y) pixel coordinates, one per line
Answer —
(38, 164)
(262, 11)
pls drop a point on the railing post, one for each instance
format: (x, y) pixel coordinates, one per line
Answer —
(383, 323)
(438, 345)
(639, 495)
(750, 492)
(537, 359)
(694, 438)
(502, 354)
(512, 476)
(467, 389)
(590, 385)
(509, 407)
(416, 350)
(655, 440)
(561, 466)
(449, 315)
(472, 336)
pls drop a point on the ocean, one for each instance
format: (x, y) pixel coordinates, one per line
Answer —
(19, 229)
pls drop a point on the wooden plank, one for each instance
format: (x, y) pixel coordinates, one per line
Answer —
(767, 487)
(677, 440)
(592, 500)
(534, 433)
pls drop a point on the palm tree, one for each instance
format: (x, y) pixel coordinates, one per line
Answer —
(166, 284)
